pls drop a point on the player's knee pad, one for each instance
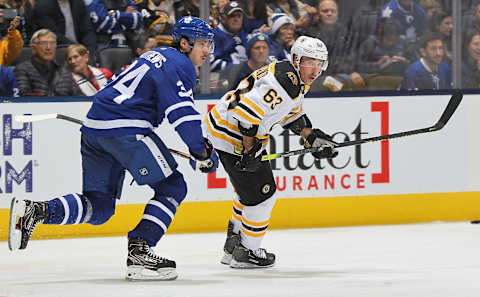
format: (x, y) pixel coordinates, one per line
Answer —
(172, 187)
(257, 195)
(102, 207)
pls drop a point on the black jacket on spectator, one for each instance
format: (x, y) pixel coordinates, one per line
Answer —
(470, 75)
(34, 79)
(371, 51)
(47, 14)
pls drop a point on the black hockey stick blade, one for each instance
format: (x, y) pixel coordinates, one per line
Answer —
(452, 105)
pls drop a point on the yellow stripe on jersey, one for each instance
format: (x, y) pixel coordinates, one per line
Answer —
(255, 224)
(289, 116)
(254, 106)
(297, 109)
(219, 135)
(272, 67)
(223, 122)
(249, 233)
(237, 205)
(245, 116)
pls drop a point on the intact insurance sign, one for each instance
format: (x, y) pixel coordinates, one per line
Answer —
(42, 160)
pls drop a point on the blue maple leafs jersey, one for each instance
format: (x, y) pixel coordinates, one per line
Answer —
(158, 84)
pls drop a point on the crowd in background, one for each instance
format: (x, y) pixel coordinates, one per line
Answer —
(73, 47)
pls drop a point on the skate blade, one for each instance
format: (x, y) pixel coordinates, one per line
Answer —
(17, 211)
(243, 265)
(140, 273)
(226, 259)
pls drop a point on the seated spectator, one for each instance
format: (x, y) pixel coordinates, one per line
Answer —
(255, 16)
(336, 37)
(472, 23)
(68, 19)
(25, 11)
(143, 43)
(282, 37)
(471, 60)
(192, 8)
(114, 21)
(383, 53)
(410, 16)
(8, 83)
(295, 9)
(158, 16)
(442, 23)
(257, 51)
(430, 7)
(430, 72)
(11, 41)
(88, 79)
(39, 75)
(230, 39)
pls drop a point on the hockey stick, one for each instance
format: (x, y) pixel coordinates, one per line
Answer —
(41, 117)
(446, 115)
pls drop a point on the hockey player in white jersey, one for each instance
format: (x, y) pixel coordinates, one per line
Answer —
(118, 135)
(239, 126)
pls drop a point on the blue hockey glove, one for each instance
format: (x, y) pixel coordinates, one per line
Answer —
(319, 139)
(205, 165)
(251, 160)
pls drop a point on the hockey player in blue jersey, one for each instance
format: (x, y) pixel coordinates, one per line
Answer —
(117, 136)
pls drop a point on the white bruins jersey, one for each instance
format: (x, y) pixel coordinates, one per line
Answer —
(271, 95)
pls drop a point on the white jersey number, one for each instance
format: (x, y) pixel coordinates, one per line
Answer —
(127, 92)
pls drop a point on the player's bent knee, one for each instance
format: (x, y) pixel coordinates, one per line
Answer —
(174, 186)
(102, 207)
(254, 197)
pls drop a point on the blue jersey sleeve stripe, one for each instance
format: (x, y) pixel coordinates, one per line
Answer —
(120, 123)
(178, 105)
(188, 118)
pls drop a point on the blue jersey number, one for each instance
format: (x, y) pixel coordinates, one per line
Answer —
(127, 92)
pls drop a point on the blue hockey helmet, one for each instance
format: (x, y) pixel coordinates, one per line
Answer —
(192, 28)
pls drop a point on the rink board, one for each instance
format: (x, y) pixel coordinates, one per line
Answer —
(429, 177)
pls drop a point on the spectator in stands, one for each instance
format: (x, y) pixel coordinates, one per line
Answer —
(143, 44)
(192, 8)
(88, 80)
(255, 16)
(158, 16)
(410, 16)
(230, 38)
(430, 72)
(11, 41)
(40, 75)
(68, 19)
(471, 60)
(442, 23)
(257, 51)
(430, 7)
(25, 11)
(335, 36)
(114, 21)
(282, 37)
(8, 83)
(295, 9)
(385, 52)
(472, 23)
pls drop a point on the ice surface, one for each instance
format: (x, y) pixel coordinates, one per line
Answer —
(420, 260)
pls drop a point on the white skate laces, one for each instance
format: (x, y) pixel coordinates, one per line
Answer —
(260, 253)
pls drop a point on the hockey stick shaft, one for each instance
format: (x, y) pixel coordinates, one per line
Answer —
(41, 117)
(452, 105)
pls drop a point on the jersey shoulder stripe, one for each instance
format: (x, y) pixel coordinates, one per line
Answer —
(288, 78)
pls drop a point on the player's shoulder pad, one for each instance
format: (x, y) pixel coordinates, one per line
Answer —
(288, 78)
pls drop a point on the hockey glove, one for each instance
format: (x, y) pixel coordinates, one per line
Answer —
(208, 164)
(250, 161)
(319, 139)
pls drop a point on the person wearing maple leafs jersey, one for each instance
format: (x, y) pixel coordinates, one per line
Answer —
(238, 127)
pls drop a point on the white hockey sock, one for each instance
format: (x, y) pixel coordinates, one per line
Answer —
(255, 220)
(237, 214)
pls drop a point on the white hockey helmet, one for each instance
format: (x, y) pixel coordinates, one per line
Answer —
(306, 46)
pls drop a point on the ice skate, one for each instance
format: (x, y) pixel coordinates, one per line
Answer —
(233, 239)
(25, 215)
(144, 264)
(245, 258)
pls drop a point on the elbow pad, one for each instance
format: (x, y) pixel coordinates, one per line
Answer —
(298, 125)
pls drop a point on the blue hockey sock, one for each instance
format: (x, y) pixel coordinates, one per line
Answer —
(67, 210)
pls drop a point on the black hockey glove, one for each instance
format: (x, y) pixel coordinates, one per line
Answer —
(208, 164)
(251, 160)
(319, 139)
